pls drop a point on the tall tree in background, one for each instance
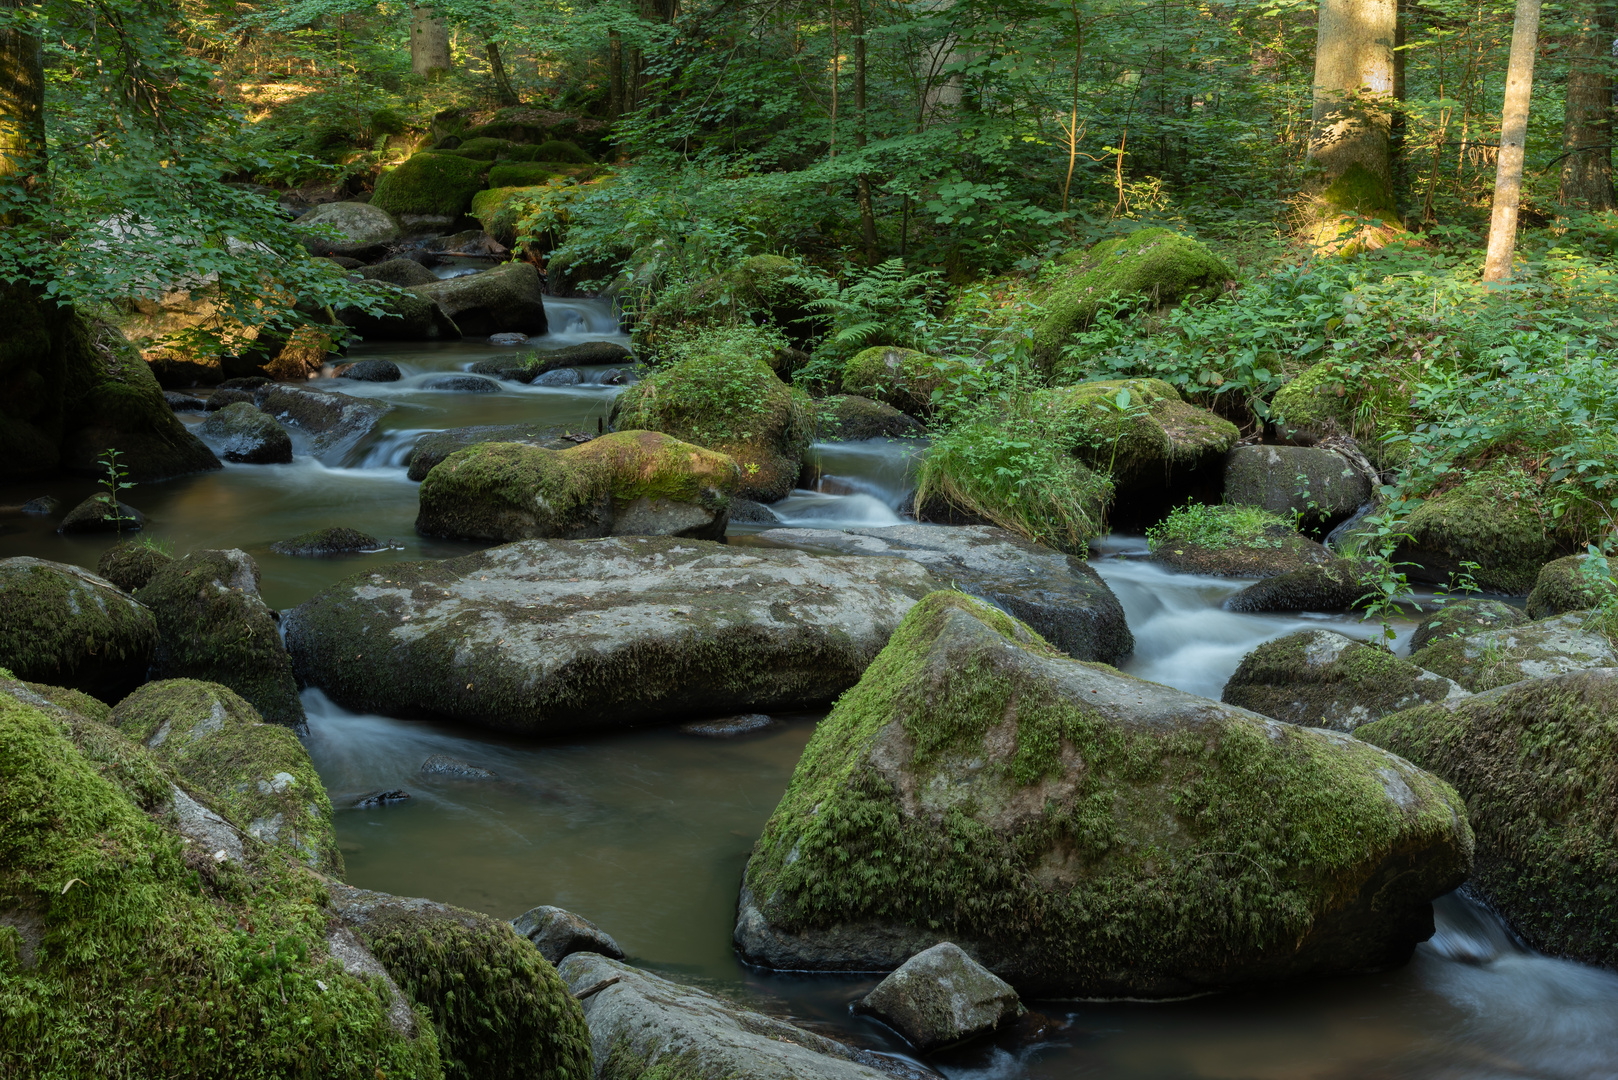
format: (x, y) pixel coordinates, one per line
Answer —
(22, 104)
(429, 42)
(1513, 137)
(1587, 122)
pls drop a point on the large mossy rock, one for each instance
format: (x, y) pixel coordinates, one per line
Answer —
(64, 626)
(1318, 484)
(628, 483)
(902, 378)
(1154, 265)
(504, 299)
(1232, 541)
(1485, 660)
(435, 446)
(759, 289)
(643, 1025)
(553, 636)
(1492, 518)
(429, 190)
(1459, 618)
(74, 387)
(1082, 832)
(356, 228)
(1320, 678)
(212, 625)
(852, 418)
(1573, 583)
(243, 433)
(131, 564)
(1534, 762)
(728, 400)
(1059, 595)
(125, 949)
(500, 1010)
(1331, 399)
(257, 775)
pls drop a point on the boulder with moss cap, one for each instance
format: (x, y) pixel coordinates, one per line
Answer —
(852, 418)
(213, 625)
(1327, 586)
(1573, 583)
(1496, 518)
(1459, 618)
(130, 564)
(1535, 650)
(67, 627)
(553, 636)
(1075, 829)
(1320, 678)
(1534, 763)
(1319, 484)
(435, 446)
(628, 483)
(429, 190)
(902, 378)
(1232, 541)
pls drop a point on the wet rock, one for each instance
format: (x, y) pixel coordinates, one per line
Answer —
(627, 483)
(212, 625)
(558, 933)
(67, 627)
(372, 799)
(1329, 586)
(1058, 595)
(96, 515)
(462, 384)
(375, 370)
(43, 506)
(506, 298)
(640, 1023)
(401, 272)
(548, 636)
(1319, 678)
(1574, 583)
(336, 540)
(751, 512)
(1536, 650)
(559, 377)
(345, 262)
(508, 339)
(131, 565)
(941, 997)
(405, 316)
(334, 423)
(528, 366)
(617, 377)
(183, 402)
(851, 418)
(432, 448)
(225, 397)
(1459, 618)
(454, 769)
(246, 382)
(1318, 483)
(242, 433)
(1534, 763)
(969, 752)
(731, 726)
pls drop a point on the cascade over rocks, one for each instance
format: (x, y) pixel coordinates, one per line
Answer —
(1488, 659)
(1058, 595)
(507, 297)
(65, 626)
(1072, 828)
(554, 636)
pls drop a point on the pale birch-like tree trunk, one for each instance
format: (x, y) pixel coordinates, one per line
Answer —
(429, 42)
(1513, 136)
(1349, 136)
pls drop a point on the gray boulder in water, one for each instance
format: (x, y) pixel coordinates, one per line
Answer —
(333, 423)
(941, 997)
(506, 298)
(557, 933)
(242, 433)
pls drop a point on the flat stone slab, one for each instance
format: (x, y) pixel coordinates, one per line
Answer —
(556, 636)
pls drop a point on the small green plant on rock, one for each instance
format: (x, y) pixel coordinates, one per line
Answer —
(1204, 526)
(114, 481)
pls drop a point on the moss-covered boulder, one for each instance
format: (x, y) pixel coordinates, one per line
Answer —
(336, 540)
(1495, 518)
(429, 190)
(511, 195)
(405, 316)
(1534, 762)
(852, 418)
(212, 625)
(1318, 484)
(64, 626)
(1459, 618)
(435, 446)
(1328, 586)
(758, 290)
(257, 775)
(552, 636)
(348, 229)
(500, 1011)
(400, 272)
(1079, 831)
(903, 378)
(1572, 583)
(1334, 399)
(1488, 659)
(503, 299)
(729, 400)
(1320, 678)
(124, 949)
(1232, 541)
(240, 432)
(131, 564)
(1155, 266)
(628, 483)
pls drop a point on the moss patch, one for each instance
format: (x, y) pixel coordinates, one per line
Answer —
(1486, 660)
(1233, 541)
(1139, 431)
(1498, 518)
(1462, 617)
(1331, 398)
(903, 378)
(1573, 583)
(430, 185)
(62, 626)
(131, 564)
(502, 206)
(850, 418)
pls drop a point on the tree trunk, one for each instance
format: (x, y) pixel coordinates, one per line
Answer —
(504, 92)
(867, 212)
(22, 107)
(615, 74)
(429, 43)
(1587, 122)
(1513, 134)
(1349, 136)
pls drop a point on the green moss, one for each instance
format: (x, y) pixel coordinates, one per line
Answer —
(562, 150)
(1157, 265)
(1361, 192)
(1459, 618)
(623, 1063)
(1573, 583)
(849, 417)
(1535, 765)
(482, 148)
(1235, 541)
(903, 378)
(1487, 659)
(1006, 807)
(1497, 517)
(127, 765)
(1333, 398)
(142, 960)
(432, 185)
(519, 174)
(59, 626)
(1140, 431)
(256, 775)
(500, 208)
(131, 564)
(758, 290)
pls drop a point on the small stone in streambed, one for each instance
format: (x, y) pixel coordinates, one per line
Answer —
(454, 769)
(560, 377)
(941, 997)
(374, 799)
(730, 727)
(94, 515)
(43, 506)
(558, 933)
(183, 402)
(369, 371)
(333, 541)
(508, 339)
(463, 384)
(748, 512)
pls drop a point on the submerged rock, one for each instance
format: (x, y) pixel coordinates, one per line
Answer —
(552, 636)
(731, 726)
(1536, 650)
(1075, 829)
(529, 366)
(560, 377)
(1058, 595)
(559, 933)
(1320, 678)
(334, 423)
(130, 565)
(624, 484)
(336, 540)
(67, 627)
(1459, 618)
(940, 997)
(462, 384)
(454, 768)
(96, 515)
(373, 799)
(1328, 586)
(242, 433)
(435, 446)
(43, 506)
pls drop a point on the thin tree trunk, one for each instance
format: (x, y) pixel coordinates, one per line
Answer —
(1587, 122)
(1513, 135)
(615, 74)
(429, 43)
(867, 212)
(836, 72)
(22, 107)
(1353, 84)
(503, 90)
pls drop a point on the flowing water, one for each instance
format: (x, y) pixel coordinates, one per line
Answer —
(646, 832)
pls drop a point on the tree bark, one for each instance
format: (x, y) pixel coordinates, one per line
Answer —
(22, 107)
(504, 92)
(1354, 85)
(1513, 135)
(1587, 121)
(615, 74)
(867, 211)
(429, 42)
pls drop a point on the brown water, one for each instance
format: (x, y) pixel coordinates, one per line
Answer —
(646, 832)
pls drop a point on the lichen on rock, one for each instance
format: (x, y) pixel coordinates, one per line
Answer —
(1487, 659)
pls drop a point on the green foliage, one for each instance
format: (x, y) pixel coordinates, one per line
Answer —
(115, 481)
(1218, 526)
